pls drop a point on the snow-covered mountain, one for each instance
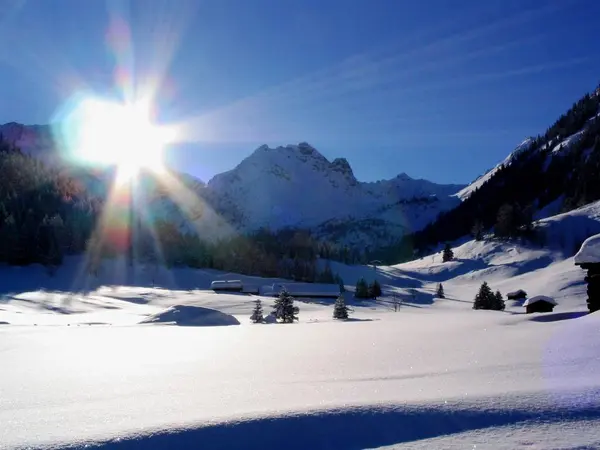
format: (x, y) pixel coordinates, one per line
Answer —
(554, 172)
(293, 186)
(555, 146)
(296, 186)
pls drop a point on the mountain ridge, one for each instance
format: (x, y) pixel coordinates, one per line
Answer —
(295, 185)
(291, 186)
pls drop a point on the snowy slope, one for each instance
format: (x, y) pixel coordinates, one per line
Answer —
(296, 186)
(468, 190)
(509, 266)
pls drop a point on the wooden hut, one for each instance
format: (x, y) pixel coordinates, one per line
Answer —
(539, 303)
(588, 258)
(517, 295)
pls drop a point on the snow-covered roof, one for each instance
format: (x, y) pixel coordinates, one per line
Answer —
(589, 251)
(230, 284)
(540, 298)
(518, 293)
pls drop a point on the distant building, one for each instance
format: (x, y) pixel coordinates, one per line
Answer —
(517, 295)
(539, 303)
(588, 258)
(227, 285)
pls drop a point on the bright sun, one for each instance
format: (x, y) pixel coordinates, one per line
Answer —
(122, 135)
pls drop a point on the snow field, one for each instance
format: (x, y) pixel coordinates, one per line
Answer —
(435, 374)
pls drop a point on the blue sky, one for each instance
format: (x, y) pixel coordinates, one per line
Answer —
(439, 89)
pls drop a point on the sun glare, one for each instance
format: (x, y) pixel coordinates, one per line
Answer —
(124, 135)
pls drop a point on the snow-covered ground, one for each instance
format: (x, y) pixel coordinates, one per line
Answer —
(435, 374)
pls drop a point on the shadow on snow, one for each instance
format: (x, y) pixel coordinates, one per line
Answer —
(555, 317)
(349, 429)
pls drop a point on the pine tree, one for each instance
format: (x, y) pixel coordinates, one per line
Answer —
(498, 302)
(257, 312)
(285, 309)
(506, 221)
(440, 291)
(340, 282)
(477, 231)
(327, 275)
(340, 310)
(9, 237)
(375, 289)
(362, 289)
(448, 254)
(485, 298)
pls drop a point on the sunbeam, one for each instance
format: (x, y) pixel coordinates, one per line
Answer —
(194, 207)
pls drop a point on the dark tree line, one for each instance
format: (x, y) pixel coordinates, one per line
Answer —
(265, 253)
(47, 212)
(44, 212)
(365, 290)
(486, 299)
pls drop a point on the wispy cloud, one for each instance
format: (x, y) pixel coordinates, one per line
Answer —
(387, 72)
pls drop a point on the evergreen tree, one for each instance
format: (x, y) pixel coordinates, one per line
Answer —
(10, 240)
(285, 309)
(477, 231)
(448, 254)
(340, 282)
(346, 255)
(340, 310)
(440, 291)
(505, 222)
(327, 275)
(375, 290)
(485, 298)
(362, 289)
(257, 312)
(498, 302)
(49, 249)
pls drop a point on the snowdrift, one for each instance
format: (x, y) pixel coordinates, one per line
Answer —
(188, 315)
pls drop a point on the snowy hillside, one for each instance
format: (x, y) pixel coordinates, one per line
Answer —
(554, 172)
(296, 186)
(468, 190)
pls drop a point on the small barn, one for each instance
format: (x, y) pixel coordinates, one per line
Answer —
(588, 258)
(539, 303)
(517, 295)
(227, 285)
